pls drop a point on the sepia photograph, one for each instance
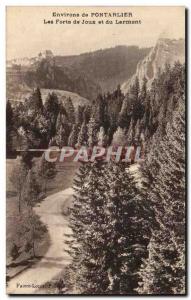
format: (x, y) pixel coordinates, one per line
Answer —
(95, 150)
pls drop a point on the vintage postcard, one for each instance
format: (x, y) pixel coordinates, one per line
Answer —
(95, 145)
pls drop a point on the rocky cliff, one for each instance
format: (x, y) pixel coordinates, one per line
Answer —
(166, 51)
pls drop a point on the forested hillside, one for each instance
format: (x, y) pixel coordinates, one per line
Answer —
(129, 238)
(86, 74)
(166, 51)
(112, 118)
(128, 229)
(107, 67)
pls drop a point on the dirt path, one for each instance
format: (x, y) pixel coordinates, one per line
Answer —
(50, 212)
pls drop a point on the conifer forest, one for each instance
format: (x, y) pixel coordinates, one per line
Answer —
(125, 220)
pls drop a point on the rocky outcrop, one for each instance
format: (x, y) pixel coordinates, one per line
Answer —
(166, 51)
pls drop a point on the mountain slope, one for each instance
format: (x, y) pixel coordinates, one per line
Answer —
(62, 95)
(166, 51)
(86, 74)
(107, 67)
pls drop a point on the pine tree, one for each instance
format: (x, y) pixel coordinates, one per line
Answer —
(135, 89)
(114, 105)
(17, 178)
(31, 230)
(61, 119)
(38, 100)
(102, 137)
(100, 112)
(80, 199)
(61, 137)
(89, 245)
(110, 231)
(73, 137)
(41, 126)
(69, 107)
(92, 132)
(87, 113)
(137, 131)
(31, 189)
(34, 103)
(143, 93)
(129, 227)
(51, 109)
(62, 130)
(14, 252)
(131, 133)
(119, 137)
(124, 117)
(137, 100)
(79, 114)
(164, 270)
(83, 135)
(46, 171)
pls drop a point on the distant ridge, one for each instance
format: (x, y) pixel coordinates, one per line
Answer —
(86, 74)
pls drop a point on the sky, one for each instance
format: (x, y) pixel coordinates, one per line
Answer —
(27, 35)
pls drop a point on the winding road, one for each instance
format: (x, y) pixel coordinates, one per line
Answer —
(51, 213)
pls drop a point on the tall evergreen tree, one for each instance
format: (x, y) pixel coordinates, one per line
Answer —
(102, 137)
(79, 114)
(69, 107)
(46, 171)
(73, 137)
(31, 230)
(137, 100)
(131, 132)
(51, 108)
(110, 231)
(62, 136)
(92, 132)
(87, 113)
(34, 102)
(89, 246)
(100, 112)
(17, 178)
(31, 189)
(124, 116)
(83, 135)
(135, 89)
(143, 93)
(62, 129)
(129, 226)
(119, 137)
(164, 270)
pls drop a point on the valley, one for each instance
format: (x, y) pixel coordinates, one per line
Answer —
(86, 74)
(98, 227)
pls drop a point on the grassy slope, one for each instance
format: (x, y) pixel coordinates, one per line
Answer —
(62, 95)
